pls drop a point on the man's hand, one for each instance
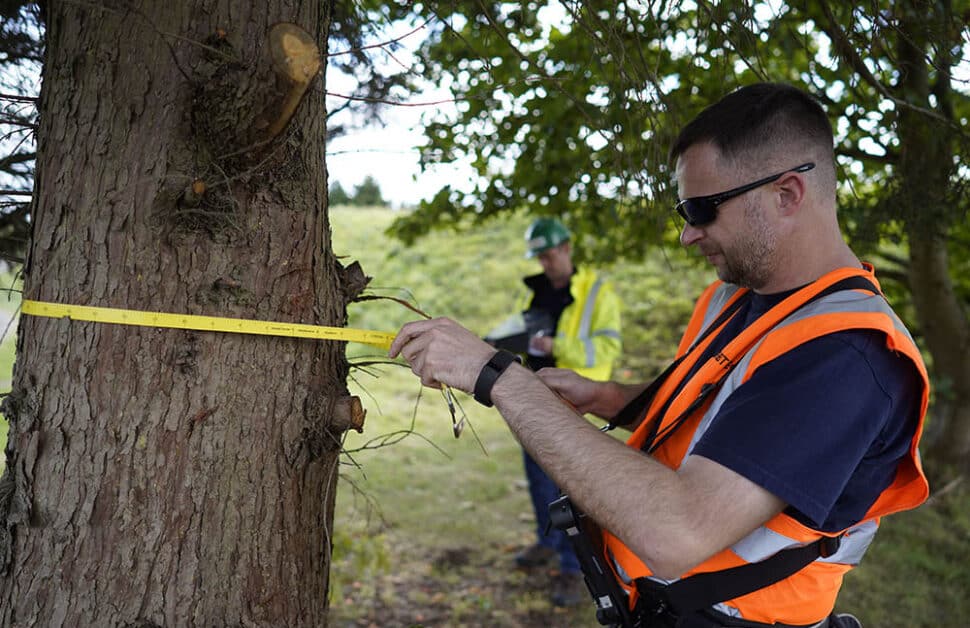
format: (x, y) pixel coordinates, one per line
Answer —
(440, 351)
(579, 391)
(602, 399)
(540, 344)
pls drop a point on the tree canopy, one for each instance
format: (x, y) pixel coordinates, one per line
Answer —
(338, 195)
(367, 193)
(570, 112)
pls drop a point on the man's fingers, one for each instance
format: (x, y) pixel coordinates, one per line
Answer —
(411, 331)
(440, 351)
(406, 334)
(412, 343)
(403, 337)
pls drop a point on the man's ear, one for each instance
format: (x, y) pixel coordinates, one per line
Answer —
(791, 190)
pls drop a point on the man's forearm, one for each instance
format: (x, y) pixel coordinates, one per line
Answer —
(625, 491)
(671, 519)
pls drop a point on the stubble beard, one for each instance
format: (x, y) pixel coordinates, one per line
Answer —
(747, 259)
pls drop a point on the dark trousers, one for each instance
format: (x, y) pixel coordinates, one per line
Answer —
(543, 491)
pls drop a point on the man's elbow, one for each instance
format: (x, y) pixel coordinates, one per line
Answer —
(670, 568)
(668, 558)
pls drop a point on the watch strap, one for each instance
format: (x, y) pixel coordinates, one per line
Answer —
(490, 373)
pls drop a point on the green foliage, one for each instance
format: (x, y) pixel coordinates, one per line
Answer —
(573, 117)
(549, 124)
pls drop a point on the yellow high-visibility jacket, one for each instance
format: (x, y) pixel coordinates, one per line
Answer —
(588, 334)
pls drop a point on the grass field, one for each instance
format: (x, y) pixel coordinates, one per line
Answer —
(426, 524)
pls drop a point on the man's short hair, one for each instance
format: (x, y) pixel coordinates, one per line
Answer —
(757, 122)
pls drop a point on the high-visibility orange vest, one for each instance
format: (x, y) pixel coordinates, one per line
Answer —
(809, 595)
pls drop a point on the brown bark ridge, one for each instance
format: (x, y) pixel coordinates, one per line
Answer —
(161, 477)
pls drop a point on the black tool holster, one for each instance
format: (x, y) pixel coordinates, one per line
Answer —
(611, 600)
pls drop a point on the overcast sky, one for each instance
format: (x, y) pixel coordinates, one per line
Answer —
(390, 153)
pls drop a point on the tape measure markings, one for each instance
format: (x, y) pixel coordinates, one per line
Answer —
(119, 316)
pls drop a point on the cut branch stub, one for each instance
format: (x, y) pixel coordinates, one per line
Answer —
(296, 60)
(348, 414)
(240, 108)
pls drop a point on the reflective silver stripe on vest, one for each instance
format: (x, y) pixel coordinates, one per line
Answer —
(763, 542)
(716, 304)
(587, 321)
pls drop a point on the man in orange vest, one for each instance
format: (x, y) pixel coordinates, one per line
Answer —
(762, 460)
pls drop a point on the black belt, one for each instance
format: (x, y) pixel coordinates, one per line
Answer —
(654, 611)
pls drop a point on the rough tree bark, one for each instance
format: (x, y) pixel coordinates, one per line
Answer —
(160, 477)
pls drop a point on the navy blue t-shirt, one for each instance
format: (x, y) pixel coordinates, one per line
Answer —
(823, 426)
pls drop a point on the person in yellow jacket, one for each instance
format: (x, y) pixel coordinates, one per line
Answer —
(788, 424)
(580, 331)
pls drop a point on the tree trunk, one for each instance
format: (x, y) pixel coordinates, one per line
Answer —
(947, 335)
(160, 477)
(925, 169)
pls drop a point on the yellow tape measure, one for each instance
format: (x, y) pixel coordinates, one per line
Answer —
(205, 323)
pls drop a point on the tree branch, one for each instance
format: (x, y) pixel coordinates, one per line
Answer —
(19, 158)
(382, 44)
(848, 52)
(19, 98)
(396, 103)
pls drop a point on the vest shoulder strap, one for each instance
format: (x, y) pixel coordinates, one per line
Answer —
(632, 411)
(638, 405)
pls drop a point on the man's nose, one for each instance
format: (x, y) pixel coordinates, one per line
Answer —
(690, 235)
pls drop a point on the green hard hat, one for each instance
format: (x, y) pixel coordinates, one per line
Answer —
(544, 234)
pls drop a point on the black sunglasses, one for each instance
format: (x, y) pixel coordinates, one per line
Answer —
(701, 210)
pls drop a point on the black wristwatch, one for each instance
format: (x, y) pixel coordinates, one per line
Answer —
(490, 374)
